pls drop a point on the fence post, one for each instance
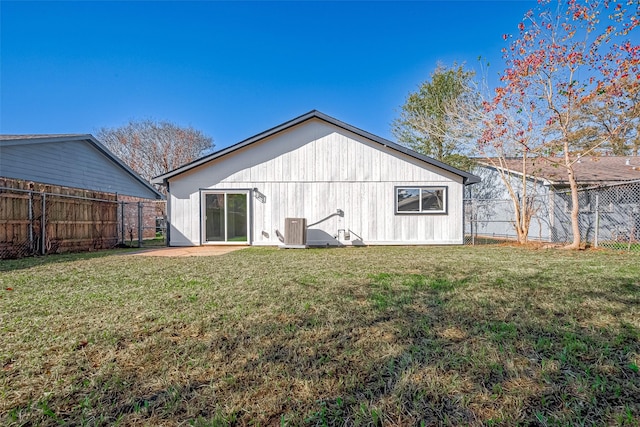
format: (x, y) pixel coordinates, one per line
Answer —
(122, 222)
(43, 225)
(595, 238)
(30, 222)
(473, 236)
(139, 224)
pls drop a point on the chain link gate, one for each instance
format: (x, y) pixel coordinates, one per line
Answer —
(142, 224)
(615, 212)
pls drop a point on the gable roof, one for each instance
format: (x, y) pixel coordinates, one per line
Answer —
(18, 140)
(24, 137)
(468, 178)
(589, 170)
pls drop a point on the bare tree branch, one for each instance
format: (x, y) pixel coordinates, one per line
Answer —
(152, 148)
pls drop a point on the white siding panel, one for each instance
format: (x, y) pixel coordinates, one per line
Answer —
(320, 173)
(270, 174)
(310, 171)
(302, 163)
(278, 169)
(340, 155)
(372, 217)
(294, 166)
(299, 197)
(390, 232)
(266, 215)
(332, 155)
(375, 165)
(363, 162)
(358, 211)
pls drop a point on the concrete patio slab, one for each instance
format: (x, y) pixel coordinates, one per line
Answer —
(188, 251)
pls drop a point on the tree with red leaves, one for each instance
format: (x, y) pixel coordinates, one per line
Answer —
(569, 54)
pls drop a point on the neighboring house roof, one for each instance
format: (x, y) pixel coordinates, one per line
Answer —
(468, 178)
(42, 136)
(10, 169)
(589, 170)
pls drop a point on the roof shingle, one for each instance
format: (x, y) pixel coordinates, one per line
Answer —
(589, 170)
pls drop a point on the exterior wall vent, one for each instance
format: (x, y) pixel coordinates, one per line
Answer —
(295, 231)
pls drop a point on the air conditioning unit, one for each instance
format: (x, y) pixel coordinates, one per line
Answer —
(295, 232)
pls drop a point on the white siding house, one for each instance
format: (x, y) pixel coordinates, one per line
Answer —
(352, 187)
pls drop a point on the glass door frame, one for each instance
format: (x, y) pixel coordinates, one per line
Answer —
(203, 216)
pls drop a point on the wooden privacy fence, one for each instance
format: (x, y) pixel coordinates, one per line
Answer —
(54, 219)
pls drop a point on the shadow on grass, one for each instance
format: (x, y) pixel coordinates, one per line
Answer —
(472, 369)
(408, 354)
(35, 261)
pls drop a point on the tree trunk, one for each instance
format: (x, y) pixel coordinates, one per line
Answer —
(524, 227)
(521, 210)
(525, 213)
(522, 238)
(575, 209)
(521, 223)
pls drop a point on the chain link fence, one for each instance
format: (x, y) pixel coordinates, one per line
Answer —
(609, 217)
(142, 224)
(71, 220)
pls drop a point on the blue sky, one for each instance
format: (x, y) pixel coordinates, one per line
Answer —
(232, 69)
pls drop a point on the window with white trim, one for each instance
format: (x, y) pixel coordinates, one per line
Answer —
(421, 200)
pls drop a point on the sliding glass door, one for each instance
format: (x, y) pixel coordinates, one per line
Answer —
(225, 217)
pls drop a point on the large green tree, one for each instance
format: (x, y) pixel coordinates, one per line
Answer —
(424, 121)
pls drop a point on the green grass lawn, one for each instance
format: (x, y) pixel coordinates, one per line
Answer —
(323, 337)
